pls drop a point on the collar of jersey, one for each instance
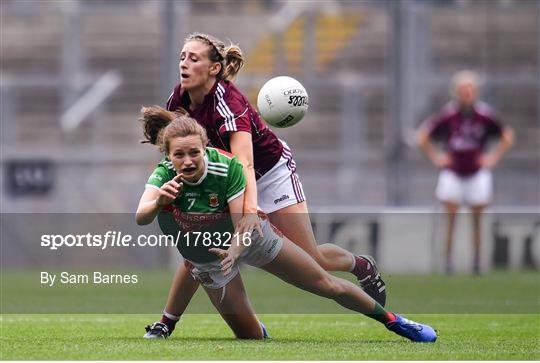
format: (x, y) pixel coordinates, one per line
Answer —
(456, 105)
(185, 100)
(205, 160)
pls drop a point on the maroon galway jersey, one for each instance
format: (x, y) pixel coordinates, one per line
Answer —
(464, 135)
(225, 110)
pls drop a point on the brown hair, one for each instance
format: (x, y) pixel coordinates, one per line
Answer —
(161, 125)
(230, 57)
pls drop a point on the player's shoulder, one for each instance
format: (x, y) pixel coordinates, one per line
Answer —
(449, 110)
(165, 163)
(163, 172)
(483, 109)
(219, 158)
(228, 91)
(165, 167)
(220, 161)
(173, 102)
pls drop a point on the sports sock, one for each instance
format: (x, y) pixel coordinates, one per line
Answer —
(381, 315)
(351, 269)
(362, 267)
(170, 320)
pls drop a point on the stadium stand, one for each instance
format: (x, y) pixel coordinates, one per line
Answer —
(352, 43)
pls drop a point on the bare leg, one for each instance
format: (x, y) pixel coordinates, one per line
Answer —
(451, 210)
(236, 310)
(477, 217)
(293, 265)
(182, 289)
(294, 222)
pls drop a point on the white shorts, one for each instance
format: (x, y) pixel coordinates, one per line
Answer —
(473, 190)
(260, 252)
(280, 187)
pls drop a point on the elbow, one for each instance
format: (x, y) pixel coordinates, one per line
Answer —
(141, 220)
(509, 137)
(421, 138)
(246, 163)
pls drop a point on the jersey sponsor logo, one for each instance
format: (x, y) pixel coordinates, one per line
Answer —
(467, 137)
(281, 199)
(192, 194)
(213, 200)
(156, 176)
(188, 222)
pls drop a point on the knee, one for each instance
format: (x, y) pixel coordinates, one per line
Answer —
(248, 331)
(330, 287)
(250, 335)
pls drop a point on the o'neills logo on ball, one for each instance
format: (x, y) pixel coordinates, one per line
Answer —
(294, 91)
(213, 200)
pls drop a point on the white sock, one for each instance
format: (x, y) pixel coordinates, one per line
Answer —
(353, 263)
(171, 316)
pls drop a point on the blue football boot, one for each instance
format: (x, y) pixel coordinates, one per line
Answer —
(265, 333)
(411, 330)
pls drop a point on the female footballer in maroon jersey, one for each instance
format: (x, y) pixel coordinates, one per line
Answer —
(208, 95)
(464, 127)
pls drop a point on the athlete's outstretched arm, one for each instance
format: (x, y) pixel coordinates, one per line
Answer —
(242, 148)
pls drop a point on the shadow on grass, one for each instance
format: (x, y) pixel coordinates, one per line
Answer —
(277, 340)
(185, 339)
(348, 341)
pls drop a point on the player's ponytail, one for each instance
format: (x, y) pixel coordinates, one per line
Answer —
(161, 125)
(234, 61)
(154, 120)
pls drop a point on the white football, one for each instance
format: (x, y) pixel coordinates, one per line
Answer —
(282, 101)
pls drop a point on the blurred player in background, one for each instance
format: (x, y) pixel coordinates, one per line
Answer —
(464, 128)
(207, 94)
(200, 190)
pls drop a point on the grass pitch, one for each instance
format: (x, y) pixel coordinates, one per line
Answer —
(294, 337)
(493, 317)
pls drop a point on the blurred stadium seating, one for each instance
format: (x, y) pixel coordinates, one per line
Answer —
(334, 49)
